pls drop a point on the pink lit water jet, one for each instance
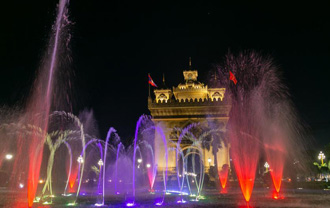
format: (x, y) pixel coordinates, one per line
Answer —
(254, 95)
(40, 103)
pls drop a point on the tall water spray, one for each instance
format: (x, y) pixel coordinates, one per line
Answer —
(262, 117)
(40, 102)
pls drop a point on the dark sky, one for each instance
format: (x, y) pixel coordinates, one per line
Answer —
(116, 43)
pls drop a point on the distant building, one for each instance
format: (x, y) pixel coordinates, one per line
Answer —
(189, 102)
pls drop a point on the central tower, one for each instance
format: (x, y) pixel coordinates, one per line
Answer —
(189, 102)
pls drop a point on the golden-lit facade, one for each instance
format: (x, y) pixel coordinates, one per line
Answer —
(189, 102)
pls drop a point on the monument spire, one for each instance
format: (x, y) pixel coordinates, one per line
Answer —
(189, 63)
(164, 79)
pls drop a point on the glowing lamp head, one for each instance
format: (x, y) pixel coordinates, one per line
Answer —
(80, 159)
(321, 156)
(139, 160)
(21, 185)
(266, 165)
(100, 163)
(148, 165)
(9, 156)
(209, 160)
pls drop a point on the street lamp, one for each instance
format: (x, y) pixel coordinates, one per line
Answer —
(148, 165)
(9, 156)
(209, 160)
(100, 163)
(321, 157)
(139, 161)
(80, 159)
(266, 166)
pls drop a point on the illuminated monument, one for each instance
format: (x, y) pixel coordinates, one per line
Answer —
(190, 102)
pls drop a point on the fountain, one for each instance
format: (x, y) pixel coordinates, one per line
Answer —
(262, 120)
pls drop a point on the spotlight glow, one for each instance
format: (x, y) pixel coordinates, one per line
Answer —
(71, 204)
(9, 156)
(181, 201)
(276, 195)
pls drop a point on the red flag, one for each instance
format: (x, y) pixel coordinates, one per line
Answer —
(232, 77)
(151, 82)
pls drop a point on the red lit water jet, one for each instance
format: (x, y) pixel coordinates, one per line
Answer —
(275, 149)
(276, 164)
(72, 180)
(73, 176)
(223, 176)
(245, 155)
(40, 103)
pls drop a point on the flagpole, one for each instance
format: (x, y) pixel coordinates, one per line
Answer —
(149, 84)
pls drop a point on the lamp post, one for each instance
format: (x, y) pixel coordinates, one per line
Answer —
(209, 160)
(139, 161)
(321, 157)
(100, 163)
(266, 166)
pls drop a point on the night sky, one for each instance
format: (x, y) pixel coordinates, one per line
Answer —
(115, 44)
